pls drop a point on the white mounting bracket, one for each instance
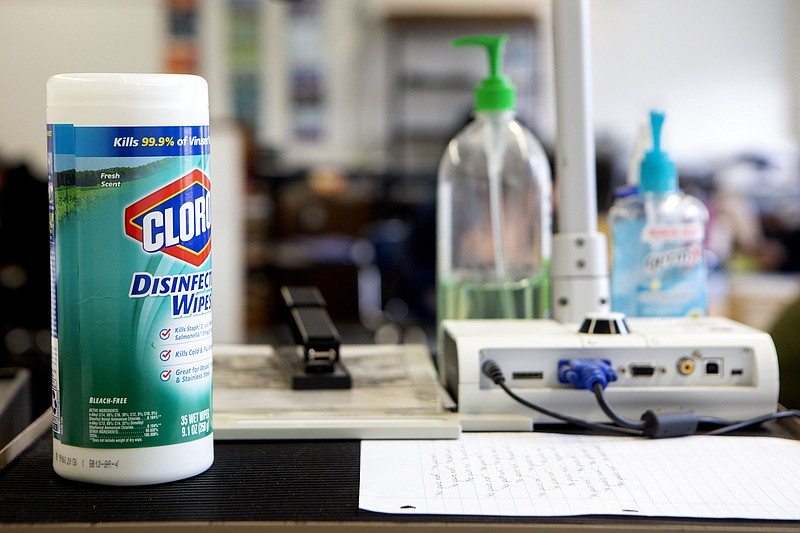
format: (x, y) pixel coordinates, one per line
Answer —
(580, 256)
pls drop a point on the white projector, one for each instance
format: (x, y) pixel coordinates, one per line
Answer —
(712, 366)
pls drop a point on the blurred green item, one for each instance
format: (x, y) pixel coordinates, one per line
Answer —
(786, 334)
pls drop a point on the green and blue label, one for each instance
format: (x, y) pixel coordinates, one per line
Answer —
(130, 226)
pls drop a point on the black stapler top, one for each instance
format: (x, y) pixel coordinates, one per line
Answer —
(313, 331)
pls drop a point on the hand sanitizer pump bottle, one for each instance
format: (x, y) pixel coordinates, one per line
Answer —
(493, 208)
(658, 268)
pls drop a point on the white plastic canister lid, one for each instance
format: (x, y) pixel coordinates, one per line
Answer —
(127, 90)
(132, 99)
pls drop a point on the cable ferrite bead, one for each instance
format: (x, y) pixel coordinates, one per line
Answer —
(669, 424)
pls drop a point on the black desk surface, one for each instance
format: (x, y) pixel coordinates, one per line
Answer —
(265, 485)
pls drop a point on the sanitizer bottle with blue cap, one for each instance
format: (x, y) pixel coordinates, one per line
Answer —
(493, 208)
(658, 266)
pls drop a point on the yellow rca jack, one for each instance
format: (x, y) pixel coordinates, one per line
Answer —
(686, 366)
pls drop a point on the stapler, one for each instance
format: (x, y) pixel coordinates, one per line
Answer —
(312, 353)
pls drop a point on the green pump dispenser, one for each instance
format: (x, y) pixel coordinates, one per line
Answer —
(493, 209)
(657, 171)
(495, 92)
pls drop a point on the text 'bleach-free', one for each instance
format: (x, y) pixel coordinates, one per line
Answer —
(130, 262)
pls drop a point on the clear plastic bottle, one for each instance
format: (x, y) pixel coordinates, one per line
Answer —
(658, 267)
(493, 209)
(626, 221)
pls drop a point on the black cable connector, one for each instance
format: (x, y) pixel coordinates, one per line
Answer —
(493, 372)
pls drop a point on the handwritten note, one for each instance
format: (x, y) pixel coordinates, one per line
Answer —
(540, 474)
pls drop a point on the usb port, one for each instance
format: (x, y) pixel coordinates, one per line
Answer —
(642, 370)
(713, 367)
(527, 375)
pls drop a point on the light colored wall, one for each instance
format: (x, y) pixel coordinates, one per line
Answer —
(45, 37)
(721, 68)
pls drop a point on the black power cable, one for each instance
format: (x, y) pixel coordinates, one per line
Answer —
(733, 426)
(611, 413)
(653, 425)
(493, 371)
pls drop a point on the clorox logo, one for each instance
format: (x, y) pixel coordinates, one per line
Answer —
(175, 219)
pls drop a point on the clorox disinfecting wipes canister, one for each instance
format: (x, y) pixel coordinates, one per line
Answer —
(130, 261)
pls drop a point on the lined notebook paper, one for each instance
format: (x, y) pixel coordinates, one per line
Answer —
(541, 474)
